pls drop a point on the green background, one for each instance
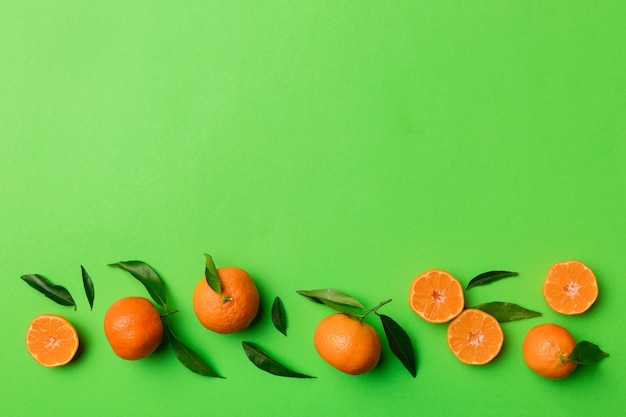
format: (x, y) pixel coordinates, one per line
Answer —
(350, 145)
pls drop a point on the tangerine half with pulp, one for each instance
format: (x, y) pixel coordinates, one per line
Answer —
(546, 348)
(133, 327)
(347, 344)
(436, 296)
(51, 340)
(475, 337)
(234, 308)
(570, 287)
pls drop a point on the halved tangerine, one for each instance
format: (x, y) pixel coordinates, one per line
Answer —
(570, 287)
(475, 337)
(51, 340)
(436, 296)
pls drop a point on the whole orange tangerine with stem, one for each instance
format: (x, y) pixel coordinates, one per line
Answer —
(546, 349)
(475, 337)
(133, 327)
(51, 340)
(436, 296)
(570, 287)
(234, 308)
(347, 343)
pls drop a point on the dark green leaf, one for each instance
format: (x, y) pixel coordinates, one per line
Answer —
(504, 312)
(587, 353)
(332, 296)
(88, 284)
(210, 273)
(400, 343)
(188, 356)
(278, 316)
(262, 361)
(487, 277)
(148, 277)
(56, 293)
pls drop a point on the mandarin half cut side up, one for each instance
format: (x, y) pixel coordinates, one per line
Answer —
(570, 287)
(436, 296)
(475, 337)
(51, 340)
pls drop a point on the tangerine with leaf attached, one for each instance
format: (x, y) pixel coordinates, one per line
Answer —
(234, 308)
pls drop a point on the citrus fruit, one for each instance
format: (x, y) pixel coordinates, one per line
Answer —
(51, 340)
(570, 287)
(133, 327)
(350, 345)
(436, 296)
(475, 337)
(546, 348)
(234, 308)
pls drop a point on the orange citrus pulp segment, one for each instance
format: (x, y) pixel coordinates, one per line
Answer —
(436, 296)
(51, 340)
(475, 337)
(570, 287)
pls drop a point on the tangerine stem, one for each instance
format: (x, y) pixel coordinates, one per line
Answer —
(168, 313)
(374, 310)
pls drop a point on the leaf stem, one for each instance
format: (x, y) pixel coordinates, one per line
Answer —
(373, 310)
(168, 313)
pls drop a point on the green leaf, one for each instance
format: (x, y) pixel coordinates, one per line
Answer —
(587, 353)
(399, 343)
(210, 273)
(88, 284)
(278, 316)
(331, 297)
(188, 356)
(56, 293)
(487, 277)
(504, 312)
(148, 277)
(262, 361)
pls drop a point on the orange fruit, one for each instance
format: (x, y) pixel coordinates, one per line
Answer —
(570, 287)
(475, 337)
(133, 327)
(436, 296)
(350, 345)
(546, 348)
(231, 311)
(51, 340)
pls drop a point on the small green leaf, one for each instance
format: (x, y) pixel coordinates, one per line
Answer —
(487, 277)
(148, 277)
(399, 343)
(587, 353)
(56, 293)
(188, 356)
(505, 312)
(210, 273)
(88, 284)
(262, 361)
(278, 316)
(330, 295)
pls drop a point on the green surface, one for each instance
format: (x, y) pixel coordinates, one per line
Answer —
(316, 144)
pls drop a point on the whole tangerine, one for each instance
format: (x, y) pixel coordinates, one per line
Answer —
(133, 327)
(546, 348)
(347, 344)
(234, 308)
